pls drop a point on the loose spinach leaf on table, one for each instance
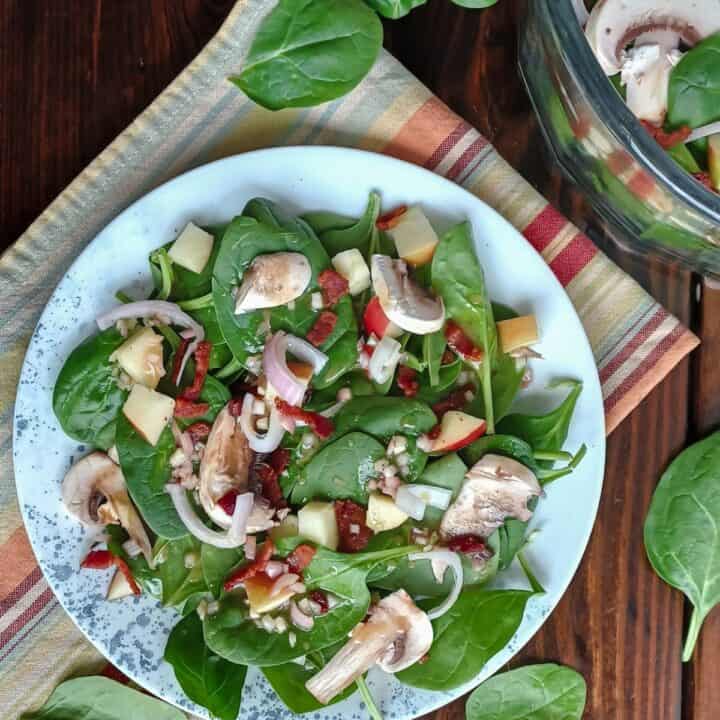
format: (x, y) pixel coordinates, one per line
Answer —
(86, 398)
(394, 9)
(208, 680)
(147, 471)
(477, 627)
(535, 692)
(384, 417)
(682, 530)
(340, 470)
(458, 278)
(307, 52)
(102, 699)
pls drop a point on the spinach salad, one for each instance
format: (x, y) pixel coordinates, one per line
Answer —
(304, 442)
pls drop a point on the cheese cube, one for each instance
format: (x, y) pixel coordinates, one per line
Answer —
(149, 412)
(414, 237)
(517, 333)
(383, 514)
(287, 528)
(192, 249)
(352, 266)
(141, 357)
(259, 589)
(316, 522)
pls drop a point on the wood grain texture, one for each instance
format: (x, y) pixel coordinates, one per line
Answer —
(74, 73)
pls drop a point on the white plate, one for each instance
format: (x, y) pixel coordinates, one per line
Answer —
(131, 633)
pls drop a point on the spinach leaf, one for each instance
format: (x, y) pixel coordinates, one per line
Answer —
(205, 678)
(684, 158)
(511, 538)
(100, 698)
(475, 4)
(694, 89)
(394, 9)
(215, 394)
(340, 470)
(433, 349)
(322, 220)
(535, 692)
(179, 582)
(86, 398)
(356, 380)
(458, 278)
(506, 381)
(342, 358)
(288, 681)
(145, 577)
(506, 445)
(217, 564)
(384, 417)
(477, 627)
(307, 52)
(545, 432)
(447, 472)
(682, 530)
(356, 236)
(220, 355)
(447, 380)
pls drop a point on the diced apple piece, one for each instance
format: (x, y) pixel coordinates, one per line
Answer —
(383, 514)
(149, 412)
(141, 357)
(192, 249)
(458, 429)
(259, 589)
(517, 333)
(316, 522)
(714, 160)
(119, 587)
(414, 237)
(352, 266)
(287, 528)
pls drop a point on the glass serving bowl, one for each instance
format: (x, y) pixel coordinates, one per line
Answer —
(629, 180)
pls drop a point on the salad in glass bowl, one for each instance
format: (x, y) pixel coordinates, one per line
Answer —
(303, 442)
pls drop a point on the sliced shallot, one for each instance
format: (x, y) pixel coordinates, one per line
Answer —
(452, 560)
(284, 581)
(250, 547)
(410, 503)
(384, 360)
(299, 619)
(436, 497)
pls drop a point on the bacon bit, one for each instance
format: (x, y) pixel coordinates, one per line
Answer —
(349, 513)
(98, 560)
(279, 460)
(227, 502)
(461, 343)
(300, 558)
(198, 431)
(271, 489)
(319, 597)
(407, 381)
(323, 327)
(202, 365)
(467, 544)
(448, 357)
(185, 408)
(454, 401)
(320, 425)
(667, 140)
(177, 362)
(390, 219)
(705, 179)
(334, 286)
(124, 568)
(235, 407)
(252, 569)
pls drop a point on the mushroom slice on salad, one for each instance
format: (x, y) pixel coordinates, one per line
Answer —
(225, 468)
(396, 635)
(94, 492)
(404, 302)
(273, 280)
(494, 489)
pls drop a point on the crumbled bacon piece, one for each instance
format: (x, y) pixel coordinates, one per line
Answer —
(319, 597)
(461, 343)
(319, 424)
(467, 544)
(334, 286)
(98, 560)
(185, 408)
(177, 362)
(454, 401)
(323, 327)
(300, 558)
(667, 140)
(271, 489)
(198, 431)
(348, 513)
(407, 381)
(252, 568)
(390, 219)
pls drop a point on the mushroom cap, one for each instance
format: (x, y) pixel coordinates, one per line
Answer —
(225, 465)
(494, 489)
(615, 24)
(273, 280)
(404, 302)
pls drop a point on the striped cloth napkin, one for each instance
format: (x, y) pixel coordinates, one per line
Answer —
(201, 117)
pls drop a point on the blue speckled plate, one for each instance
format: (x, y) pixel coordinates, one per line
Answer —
(131, 633)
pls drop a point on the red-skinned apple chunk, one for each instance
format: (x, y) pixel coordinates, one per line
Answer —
(458, 429)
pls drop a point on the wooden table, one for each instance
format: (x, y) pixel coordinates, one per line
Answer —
(74, 73)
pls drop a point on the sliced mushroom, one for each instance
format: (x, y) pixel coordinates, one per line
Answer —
(615, 24)
(397, 635)
(494, 489)
(273, 280)
(404, 302)
(94, 492)
(225, 467)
